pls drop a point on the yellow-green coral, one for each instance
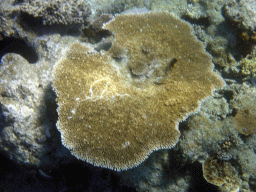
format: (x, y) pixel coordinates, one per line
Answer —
(249, 65)
(112, 118)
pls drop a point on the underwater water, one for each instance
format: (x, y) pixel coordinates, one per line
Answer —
(114, 95)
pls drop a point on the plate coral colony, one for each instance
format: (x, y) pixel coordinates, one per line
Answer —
(118, 106)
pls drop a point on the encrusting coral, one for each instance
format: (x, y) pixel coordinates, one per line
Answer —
(245, 107)
(112, 118)
(221, 174)
(245, 121)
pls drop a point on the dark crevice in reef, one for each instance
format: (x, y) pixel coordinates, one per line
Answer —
(17, 2)
(198, 182)
(183, 125)
(30, 23)
(93, 36)
(228, 95)
(75, 176)
(193, 171)
(19, 46)
(2, 118)
(203, 21)
(94, 32)
(48, 109)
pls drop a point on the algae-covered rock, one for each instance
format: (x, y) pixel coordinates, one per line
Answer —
(24, 104)
(28, 133)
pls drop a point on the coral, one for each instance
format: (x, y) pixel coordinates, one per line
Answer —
(110, 118)
(94, 32)
(245, 107)
(98, 23)
(138, 67)
(203, 135)
(58, 12)
(9, 27)
(219, 48)
(248, 64)
(245, 121)
(243, 13)
(215, 108)
(117, 51)
(223, 153)
(221, 174)
(241, 16)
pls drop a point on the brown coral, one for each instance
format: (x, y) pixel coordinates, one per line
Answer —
(245, 107)
(245, 121)
(249, 64)
(117, 51)
(221, 174)
(138, 67)
(112, 119)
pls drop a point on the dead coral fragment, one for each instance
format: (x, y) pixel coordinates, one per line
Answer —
(112, 119)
